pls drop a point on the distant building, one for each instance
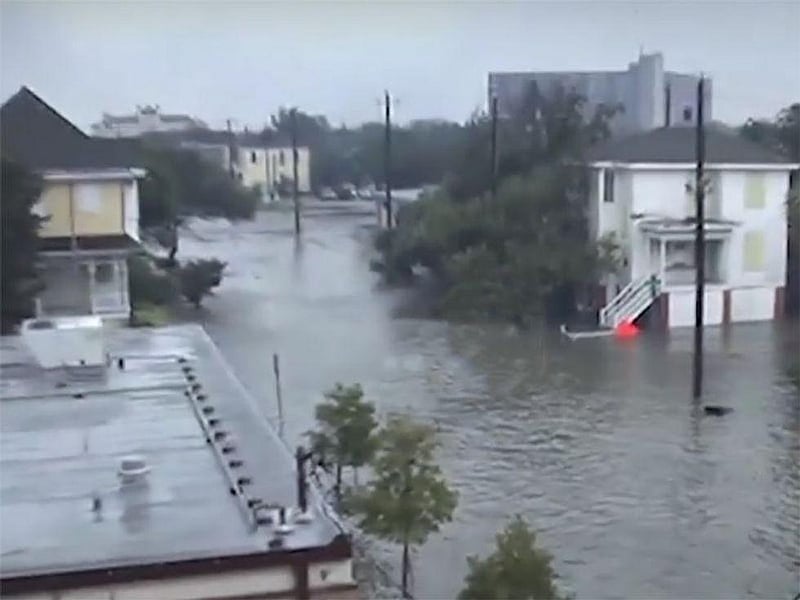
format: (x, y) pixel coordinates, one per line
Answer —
(90, 198)
(265, 165)
(642, 193)
(146, 119)
(152, 476)
(650, 96)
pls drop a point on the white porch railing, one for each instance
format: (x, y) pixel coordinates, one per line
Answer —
(631, 301)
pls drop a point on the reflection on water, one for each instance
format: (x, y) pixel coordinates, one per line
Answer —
(596, 442)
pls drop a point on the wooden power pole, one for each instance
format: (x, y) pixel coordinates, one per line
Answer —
(493, 171)
(699, 245)
(387, 157)
(230, 148)
(295, 183)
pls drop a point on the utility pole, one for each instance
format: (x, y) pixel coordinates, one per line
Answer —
(494, 148)
(230, 147)
(295, 194)
(387, 147)
(699, 245)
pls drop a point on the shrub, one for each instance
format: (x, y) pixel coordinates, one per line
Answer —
(198, 278)
(147, 285)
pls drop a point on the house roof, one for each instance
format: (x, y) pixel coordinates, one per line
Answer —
(177, 404)
(677, 145)
(34, 134)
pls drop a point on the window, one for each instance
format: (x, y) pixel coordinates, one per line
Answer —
(687, 114)
(103, 272)
(88, 197)
(608, 185)
(754, 251)
(754, 191)
(253, 158)
(282, 158)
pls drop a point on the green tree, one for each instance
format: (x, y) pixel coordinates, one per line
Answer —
(782, 134)
(198, 278)
(20, 243)
(346, 425)
(525, 254)
(516, 570)
(148, 284)
(408, 499)
(518, 258)
(181, 183)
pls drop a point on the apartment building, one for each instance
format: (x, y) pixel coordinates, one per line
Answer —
(649, 95)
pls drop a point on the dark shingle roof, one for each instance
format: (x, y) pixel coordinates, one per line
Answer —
(34, 134)
(677, 145)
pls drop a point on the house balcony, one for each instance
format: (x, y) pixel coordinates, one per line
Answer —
(671, 250)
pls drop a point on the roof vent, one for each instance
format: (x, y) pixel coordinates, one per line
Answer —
(302, 517)
(283, 528)
(133, 468)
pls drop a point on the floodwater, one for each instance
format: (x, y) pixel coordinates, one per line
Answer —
(596, 443)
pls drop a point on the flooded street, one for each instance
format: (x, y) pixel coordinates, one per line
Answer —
(596, 442)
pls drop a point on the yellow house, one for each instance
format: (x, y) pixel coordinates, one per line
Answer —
(90, 204)
(266, 167)
(280, 167)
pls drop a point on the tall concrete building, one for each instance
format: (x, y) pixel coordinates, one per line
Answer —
(650, 96)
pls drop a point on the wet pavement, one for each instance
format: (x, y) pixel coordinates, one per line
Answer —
(597, 443)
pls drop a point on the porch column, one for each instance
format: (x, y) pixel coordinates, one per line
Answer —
(90, 268)
(663, 261)
(121, 280)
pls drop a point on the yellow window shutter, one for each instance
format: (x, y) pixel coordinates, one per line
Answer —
(754, 191)
(754, 251)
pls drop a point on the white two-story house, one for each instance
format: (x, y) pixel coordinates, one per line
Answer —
(642, 193)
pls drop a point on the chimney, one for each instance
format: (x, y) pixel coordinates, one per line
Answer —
(667, 105)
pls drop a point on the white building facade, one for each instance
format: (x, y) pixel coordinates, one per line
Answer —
(648, 207)
(146, 119)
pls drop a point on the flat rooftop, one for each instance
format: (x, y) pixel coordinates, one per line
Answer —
(62, 439)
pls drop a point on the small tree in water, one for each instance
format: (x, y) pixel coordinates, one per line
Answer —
(408, 499)
(515, 570)
(345, 434)
(199, 277)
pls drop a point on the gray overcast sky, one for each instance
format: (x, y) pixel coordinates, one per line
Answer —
(245, 59)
